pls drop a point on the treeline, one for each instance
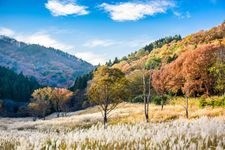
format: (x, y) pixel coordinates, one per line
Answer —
(16, 87)
(159, 43)
(145, 50)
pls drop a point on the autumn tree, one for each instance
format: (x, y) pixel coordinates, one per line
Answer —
(218, 71)
(145, 84)
(159, 84)
(42, 99)
(34, 110)
(136, 85)
(189, 74)
(60, 99)
(198, 79)
(107, 89)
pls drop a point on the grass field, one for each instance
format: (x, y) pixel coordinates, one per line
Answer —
(168, 129)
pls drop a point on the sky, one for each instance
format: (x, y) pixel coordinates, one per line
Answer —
(99, 30)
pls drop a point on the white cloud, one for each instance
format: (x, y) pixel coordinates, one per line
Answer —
(182, 15)
(138, 43)
(131, 11)
(92, 58)
(98, 43)
(6, 31)
(64, 8)
(43, 39)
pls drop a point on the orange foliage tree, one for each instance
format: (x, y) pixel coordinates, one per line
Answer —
(189, 74)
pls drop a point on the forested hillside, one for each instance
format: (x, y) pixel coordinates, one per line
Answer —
(192, 66)
(49, 66)
(169, 51)
(16, 87)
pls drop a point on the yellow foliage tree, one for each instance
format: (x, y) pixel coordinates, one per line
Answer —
(107, 89)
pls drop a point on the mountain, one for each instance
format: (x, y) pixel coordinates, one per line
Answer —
(49, 66)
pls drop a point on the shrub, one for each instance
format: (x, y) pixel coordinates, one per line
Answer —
(137, 99)
(156, 100)
(202, 102)
(214, 102)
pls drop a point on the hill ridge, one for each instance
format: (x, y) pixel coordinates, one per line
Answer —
(50, 66)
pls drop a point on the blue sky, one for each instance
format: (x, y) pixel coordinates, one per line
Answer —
(99, 30)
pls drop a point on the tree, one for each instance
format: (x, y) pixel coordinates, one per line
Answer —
(195, 70)
(146, 87)
(107, 89)
(116, 60)
(218, 71)
(160, 84)
(60, 99)
(47, 99)
(34, 110)
(109, 64)
(135, 86)
(42, 97)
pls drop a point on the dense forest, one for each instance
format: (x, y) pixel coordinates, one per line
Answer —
(16, 86)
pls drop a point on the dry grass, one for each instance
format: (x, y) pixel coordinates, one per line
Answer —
(169, 112)
(125, 113)
(127, 130)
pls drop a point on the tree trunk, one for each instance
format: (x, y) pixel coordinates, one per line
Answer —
(144, 97)
(44, 113)
(186, 107)
(162, 103)
(105, 119)
(34, 118)
(148, 98)
(58, 111)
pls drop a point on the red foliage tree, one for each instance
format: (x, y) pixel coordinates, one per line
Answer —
(189, 73)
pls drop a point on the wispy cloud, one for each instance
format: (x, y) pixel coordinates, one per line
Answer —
(182, 15)
(64, 8)
(6, 31)
(131, 11)
(98, 43)
(91, 57)
(43, 39)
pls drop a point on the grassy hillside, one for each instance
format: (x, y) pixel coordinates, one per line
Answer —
(49, 66)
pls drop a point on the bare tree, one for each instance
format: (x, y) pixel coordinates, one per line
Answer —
(146, 95)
